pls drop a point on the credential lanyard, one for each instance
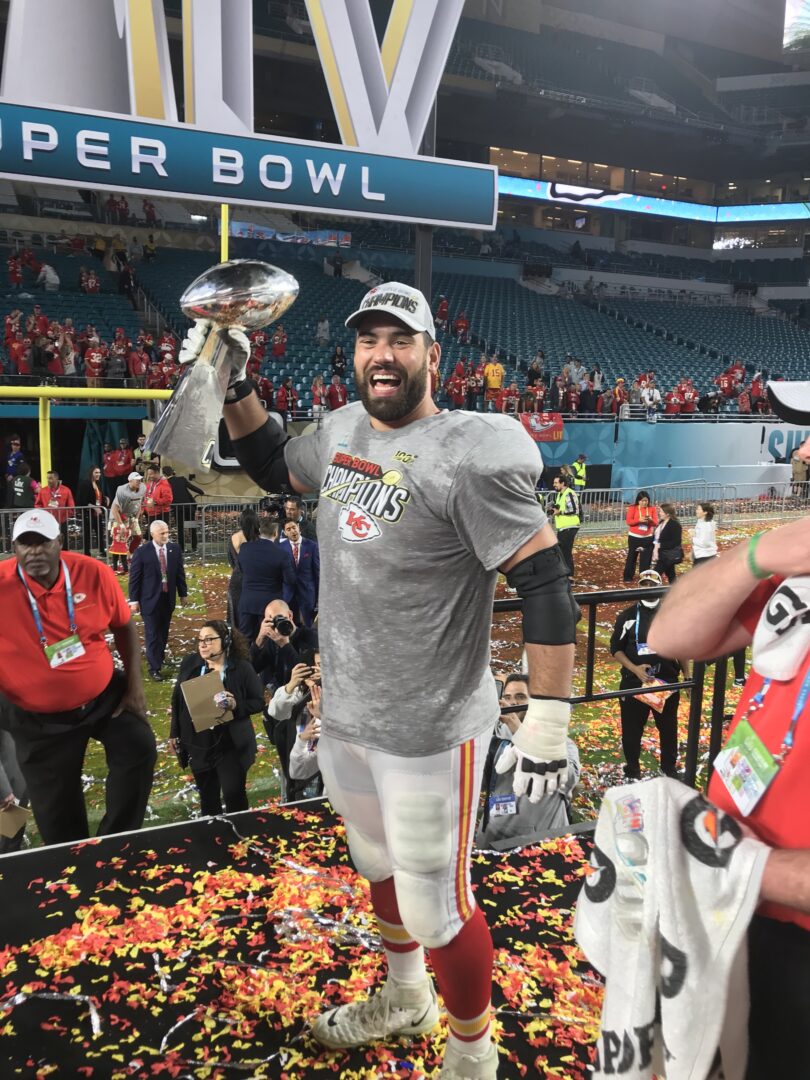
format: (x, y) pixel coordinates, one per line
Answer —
(757, 701)
(71, 607)
(638, 621)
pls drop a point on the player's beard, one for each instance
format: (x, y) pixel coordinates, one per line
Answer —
(410, 393)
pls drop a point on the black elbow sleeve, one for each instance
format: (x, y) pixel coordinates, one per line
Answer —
(261, 455)
(550, 613)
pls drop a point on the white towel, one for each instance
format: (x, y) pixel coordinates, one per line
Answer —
(782, 637)
(663, 916)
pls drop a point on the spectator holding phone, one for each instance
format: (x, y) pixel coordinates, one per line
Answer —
(292, 720)
(221, 756)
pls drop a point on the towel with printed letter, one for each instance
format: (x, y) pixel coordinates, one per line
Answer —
(663, 916)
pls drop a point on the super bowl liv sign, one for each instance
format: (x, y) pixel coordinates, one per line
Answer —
(108, 118)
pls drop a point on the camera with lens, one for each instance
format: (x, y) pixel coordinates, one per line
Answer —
(271, 505)
(282, 625)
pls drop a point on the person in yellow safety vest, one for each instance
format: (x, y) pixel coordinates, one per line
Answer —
(566, 518)
(580, 473)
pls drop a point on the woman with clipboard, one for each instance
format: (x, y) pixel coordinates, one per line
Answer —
(216, 693)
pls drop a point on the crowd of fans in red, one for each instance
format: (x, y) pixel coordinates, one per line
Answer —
(42, 347)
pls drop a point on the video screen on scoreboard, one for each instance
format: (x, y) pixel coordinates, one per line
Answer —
(797, 23)
(552, 191)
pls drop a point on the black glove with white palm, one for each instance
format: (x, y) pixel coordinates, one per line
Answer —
(539, 750)
(237, 346)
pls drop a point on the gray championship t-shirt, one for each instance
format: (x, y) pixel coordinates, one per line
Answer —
(412, 525)
(129, 502)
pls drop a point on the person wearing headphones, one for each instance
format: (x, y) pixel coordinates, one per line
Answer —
(221, 756)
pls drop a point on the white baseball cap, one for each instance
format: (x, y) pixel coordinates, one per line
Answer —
(405, 303)
(134, 476)
(36, 521)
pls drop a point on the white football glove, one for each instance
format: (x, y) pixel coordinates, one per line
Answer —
(235, 339)
(539, 750)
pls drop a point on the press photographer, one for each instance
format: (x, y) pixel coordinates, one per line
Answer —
(279, 644)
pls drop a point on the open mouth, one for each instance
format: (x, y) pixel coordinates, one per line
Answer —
(385, 383)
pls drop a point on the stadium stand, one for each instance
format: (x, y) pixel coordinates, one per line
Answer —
(762, 341)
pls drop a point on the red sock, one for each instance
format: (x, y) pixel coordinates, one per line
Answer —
(406, 958)
(464, 973)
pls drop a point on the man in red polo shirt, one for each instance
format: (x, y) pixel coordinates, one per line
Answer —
(759, 593)
(58, 673)
(57, 499)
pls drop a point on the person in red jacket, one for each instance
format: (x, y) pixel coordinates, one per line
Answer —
(93, 283)
(620, 394)
(455, 386)
(672, 402)
(461, 327)
(278, 343)
(320, 402)
(158, 497)
(54, 363)
(40, 322)
(20, 354)
(726, 384)
(95, 361)
(336, 394)
(287, 397)
(510, 400)
(757, 392)
(166, 344)
(15, 275)
(109, 476)
(690, 398)
(58, 500)
(571, 403)
(266, 392)
(138, 364)
(156, 377)
(442, 314)
(737, 369)
(642, 519)
(258, 344)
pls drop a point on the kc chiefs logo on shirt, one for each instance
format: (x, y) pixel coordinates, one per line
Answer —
(368, 494)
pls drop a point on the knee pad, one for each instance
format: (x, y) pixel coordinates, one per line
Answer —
(371, 859)
(420, 837)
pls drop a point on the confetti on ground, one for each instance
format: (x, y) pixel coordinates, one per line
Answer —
(201, 950)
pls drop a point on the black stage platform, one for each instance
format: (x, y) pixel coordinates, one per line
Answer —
(199, 951)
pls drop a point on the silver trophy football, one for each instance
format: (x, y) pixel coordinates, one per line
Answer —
(245, 294)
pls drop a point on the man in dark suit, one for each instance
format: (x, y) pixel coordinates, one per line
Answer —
(183, 505)
(156, 579)
(306, 560)
(294, 511)
(267, 574)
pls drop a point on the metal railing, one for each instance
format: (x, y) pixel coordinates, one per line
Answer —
(604, 509)
(590, 602)
(204, 528)
(84, 529)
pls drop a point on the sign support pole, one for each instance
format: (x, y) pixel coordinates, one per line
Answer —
(423, 248)
(224, 228)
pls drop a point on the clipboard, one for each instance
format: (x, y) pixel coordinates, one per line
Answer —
(13, 819)
(199, 698)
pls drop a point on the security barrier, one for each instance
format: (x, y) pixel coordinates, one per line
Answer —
(84, 529)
